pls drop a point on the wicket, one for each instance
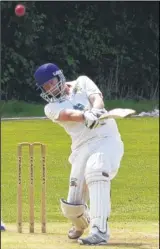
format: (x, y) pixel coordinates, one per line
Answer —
(31, 186)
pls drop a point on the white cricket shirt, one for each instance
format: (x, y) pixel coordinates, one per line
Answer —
(78, 99)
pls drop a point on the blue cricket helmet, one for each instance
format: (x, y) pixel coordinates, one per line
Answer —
(43, 74)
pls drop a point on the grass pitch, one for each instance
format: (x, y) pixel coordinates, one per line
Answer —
(128, 235)
(134, 217)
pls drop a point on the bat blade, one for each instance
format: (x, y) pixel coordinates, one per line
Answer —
(117, 113)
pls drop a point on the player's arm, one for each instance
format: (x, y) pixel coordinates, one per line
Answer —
(93, 92)
(71, 115)
(96, 100)
(56, 112)
(89, 118)
(81, 116)
(65, 115)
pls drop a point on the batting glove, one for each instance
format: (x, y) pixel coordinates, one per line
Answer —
(91, 120)
(98, 112)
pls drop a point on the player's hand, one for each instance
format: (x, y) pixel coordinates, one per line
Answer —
(91, 120)
(98, 112)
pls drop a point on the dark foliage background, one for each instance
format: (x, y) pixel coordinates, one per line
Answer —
(114, 43)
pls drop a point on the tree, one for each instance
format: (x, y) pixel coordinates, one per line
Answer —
(114, 43)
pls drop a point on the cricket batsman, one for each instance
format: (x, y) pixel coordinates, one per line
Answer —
(97, 150)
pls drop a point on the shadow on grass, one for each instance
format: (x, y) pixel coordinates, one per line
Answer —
(127, 244)
(122, 244)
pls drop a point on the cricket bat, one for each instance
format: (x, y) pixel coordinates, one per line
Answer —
(117, 113)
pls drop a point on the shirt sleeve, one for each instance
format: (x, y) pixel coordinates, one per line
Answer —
(52, 111)
(89, 86)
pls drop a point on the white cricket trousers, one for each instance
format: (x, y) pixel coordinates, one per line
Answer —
(94, 161)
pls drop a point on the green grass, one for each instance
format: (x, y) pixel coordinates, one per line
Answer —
(124, 236)
(134, 190)
(21, 108)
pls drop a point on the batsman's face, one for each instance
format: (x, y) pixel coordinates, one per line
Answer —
(50, 85)
(53, 87)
